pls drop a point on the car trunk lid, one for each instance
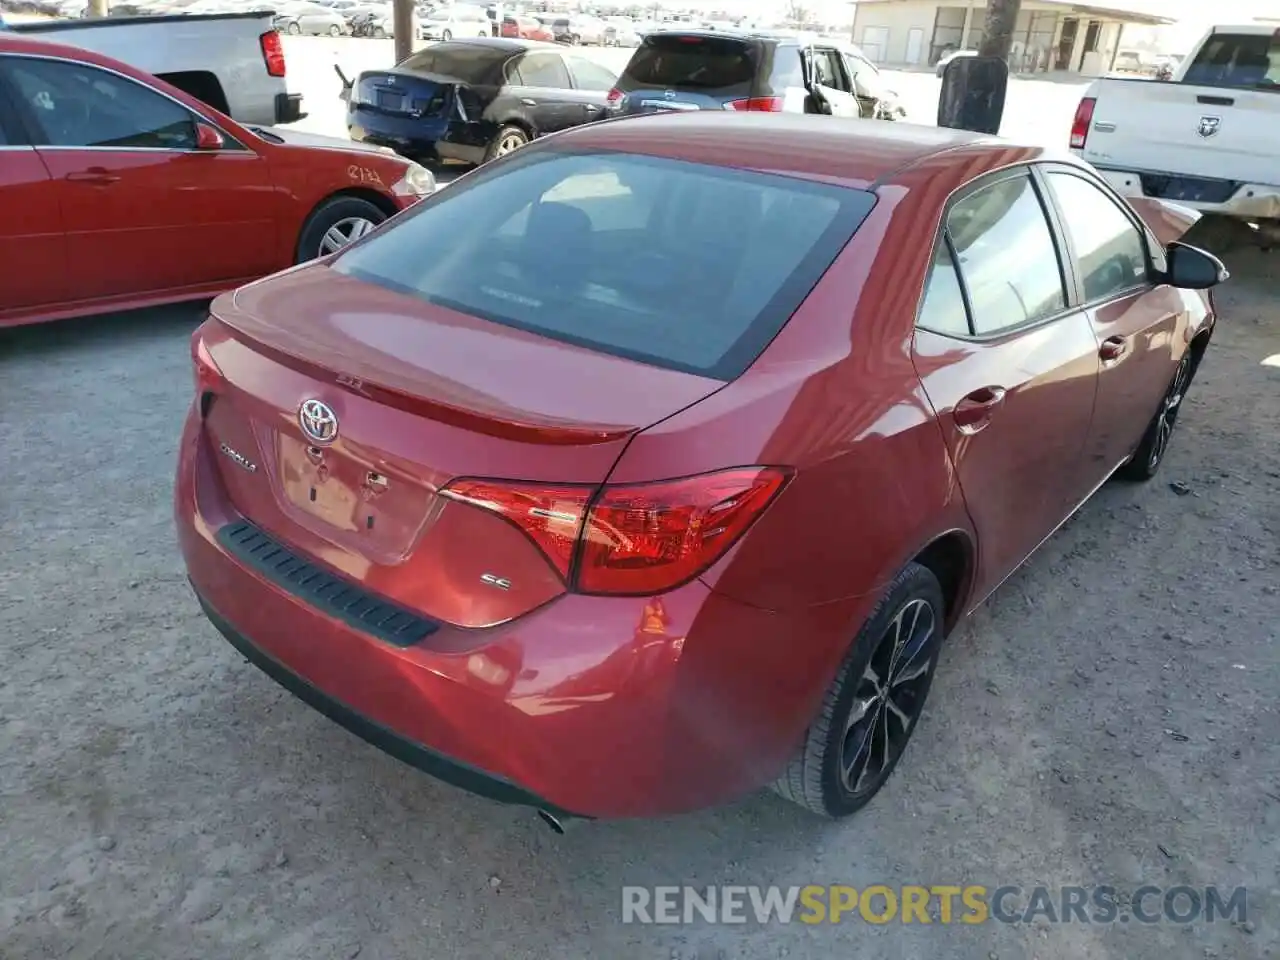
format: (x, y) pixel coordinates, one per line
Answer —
(405, 94)
(422, 395)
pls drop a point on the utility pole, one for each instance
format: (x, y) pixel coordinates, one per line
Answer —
(402, 24)
(997, 33)
(98, 8)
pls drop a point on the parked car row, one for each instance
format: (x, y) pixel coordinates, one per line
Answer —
(477, 99)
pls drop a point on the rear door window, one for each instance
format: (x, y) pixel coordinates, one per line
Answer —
(681, 265)
(1007, 255)
(677, 61)
(545, 70)
(1237, 60)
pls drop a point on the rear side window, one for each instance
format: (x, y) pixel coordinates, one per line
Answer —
(681, 265)
(1007, 257)
(542, 70)
(1237, 60)
(468, 62)
(943, 309)
(691, 62)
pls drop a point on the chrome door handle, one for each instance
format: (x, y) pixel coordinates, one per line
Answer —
(528, 102)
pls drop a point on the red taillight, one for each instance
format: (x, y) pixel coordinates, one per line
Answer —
(758, 104)
(631, 539)
(689, 39)
(272, 53)
(550, 516)
(1080, 125)
(207, 374)
(613, 97)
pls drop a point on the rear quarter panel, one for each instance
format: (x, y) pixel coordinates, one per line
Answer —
(835, 396)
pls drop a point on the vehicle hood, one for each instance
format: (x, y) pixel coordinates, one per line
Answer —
(296, 138)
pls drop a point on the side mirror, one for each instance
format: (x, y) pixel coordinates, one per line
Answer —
(973, 91)
(207, 138)
(1190, 268)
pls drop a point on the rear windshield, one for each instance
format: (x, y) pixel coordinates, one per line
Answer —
(468, 62)
(1237, 60)
(691, 62)
(680, 265)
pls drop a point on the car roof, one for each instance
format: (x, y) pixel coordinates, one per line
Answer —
(508, 44)
(11, 42)
(855, 153)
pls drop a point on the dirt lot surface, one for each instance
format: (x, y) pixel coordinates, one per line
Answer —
(1109, 717)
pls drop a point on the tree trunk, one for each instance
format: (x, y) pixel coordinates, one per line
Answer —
(98, 8)
(402, 20)
(997, 33)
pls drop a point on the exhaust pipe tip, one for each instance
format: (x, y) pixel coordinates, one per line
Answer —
(551, 821)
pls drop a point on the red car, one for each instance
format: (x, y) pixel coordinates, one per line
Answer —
(121, 191)
(525, 28)
(651, 464)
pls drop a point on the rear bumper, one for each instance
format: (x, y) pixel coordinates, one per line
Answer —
(1244, 201)
(289, 107)
(418, 139)
(586, 706)
(438, 765)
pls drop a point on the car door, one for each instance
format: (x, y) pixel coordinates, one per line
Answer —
(542, 86)
(144, 211)
(866, 85)
(827, 73)
(1010, 367)
(33, 256)
(1140, 326)
(591, 86)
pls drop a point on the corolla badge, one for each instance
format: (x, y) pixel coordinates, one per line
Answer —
(318, 421)
(669, 94)
(1209, 126)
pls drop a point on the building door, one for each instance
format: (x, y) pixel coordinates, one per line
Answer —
(1070, 25)
(915, 41)
(1090, 41)
(875, 42)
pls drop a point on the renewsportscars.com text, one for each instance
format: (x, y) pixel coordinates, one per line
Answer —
(939, 903)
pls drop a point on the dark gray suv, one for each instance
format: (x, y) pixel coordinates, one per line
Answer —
(705, 70)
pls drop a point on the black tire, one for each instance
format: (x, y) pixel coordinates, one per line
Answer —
(379, 33)
(335, 31)
(331, 213)
(499, 145)
(447, 35)
(293, 28)
(1146, 460)
(574, 40)
(815, 778)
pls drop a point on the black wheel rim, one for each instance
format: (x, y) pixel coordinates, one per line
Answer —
(1167, 417)
(888, 697)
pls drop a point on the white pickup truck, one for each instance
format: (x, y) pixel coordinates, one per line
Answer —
(232, 61)
(1208, 139)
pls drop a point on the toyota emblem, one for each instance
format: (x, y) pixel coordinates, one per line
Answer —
(669, 94)
(318, 421)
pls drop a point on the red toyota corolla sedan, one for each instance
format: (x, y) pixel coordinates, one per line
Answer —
(120, 191)
(622, 478)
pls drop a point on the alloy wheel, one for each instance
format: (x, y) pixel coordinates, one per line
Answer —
(510, 143)
(888, 697)
(1168, 413)
(344, 232)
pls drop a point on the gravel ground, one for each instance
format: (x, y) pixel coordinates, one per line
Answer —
(1109, 717)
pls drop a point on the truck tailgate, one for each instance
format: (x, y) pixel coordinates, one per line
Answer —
(1179, 128)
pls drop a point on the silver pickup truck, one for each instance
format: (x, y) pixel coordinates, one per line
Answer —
(232, 61)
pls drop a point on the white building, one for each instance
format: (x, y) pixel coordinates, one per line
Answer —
(1051, 35)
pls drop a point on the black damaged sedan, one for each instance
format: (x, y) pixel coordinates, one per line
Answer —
(473, 100)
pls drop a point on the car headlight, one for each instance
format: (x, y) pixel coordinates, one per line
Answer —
(417, 181)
